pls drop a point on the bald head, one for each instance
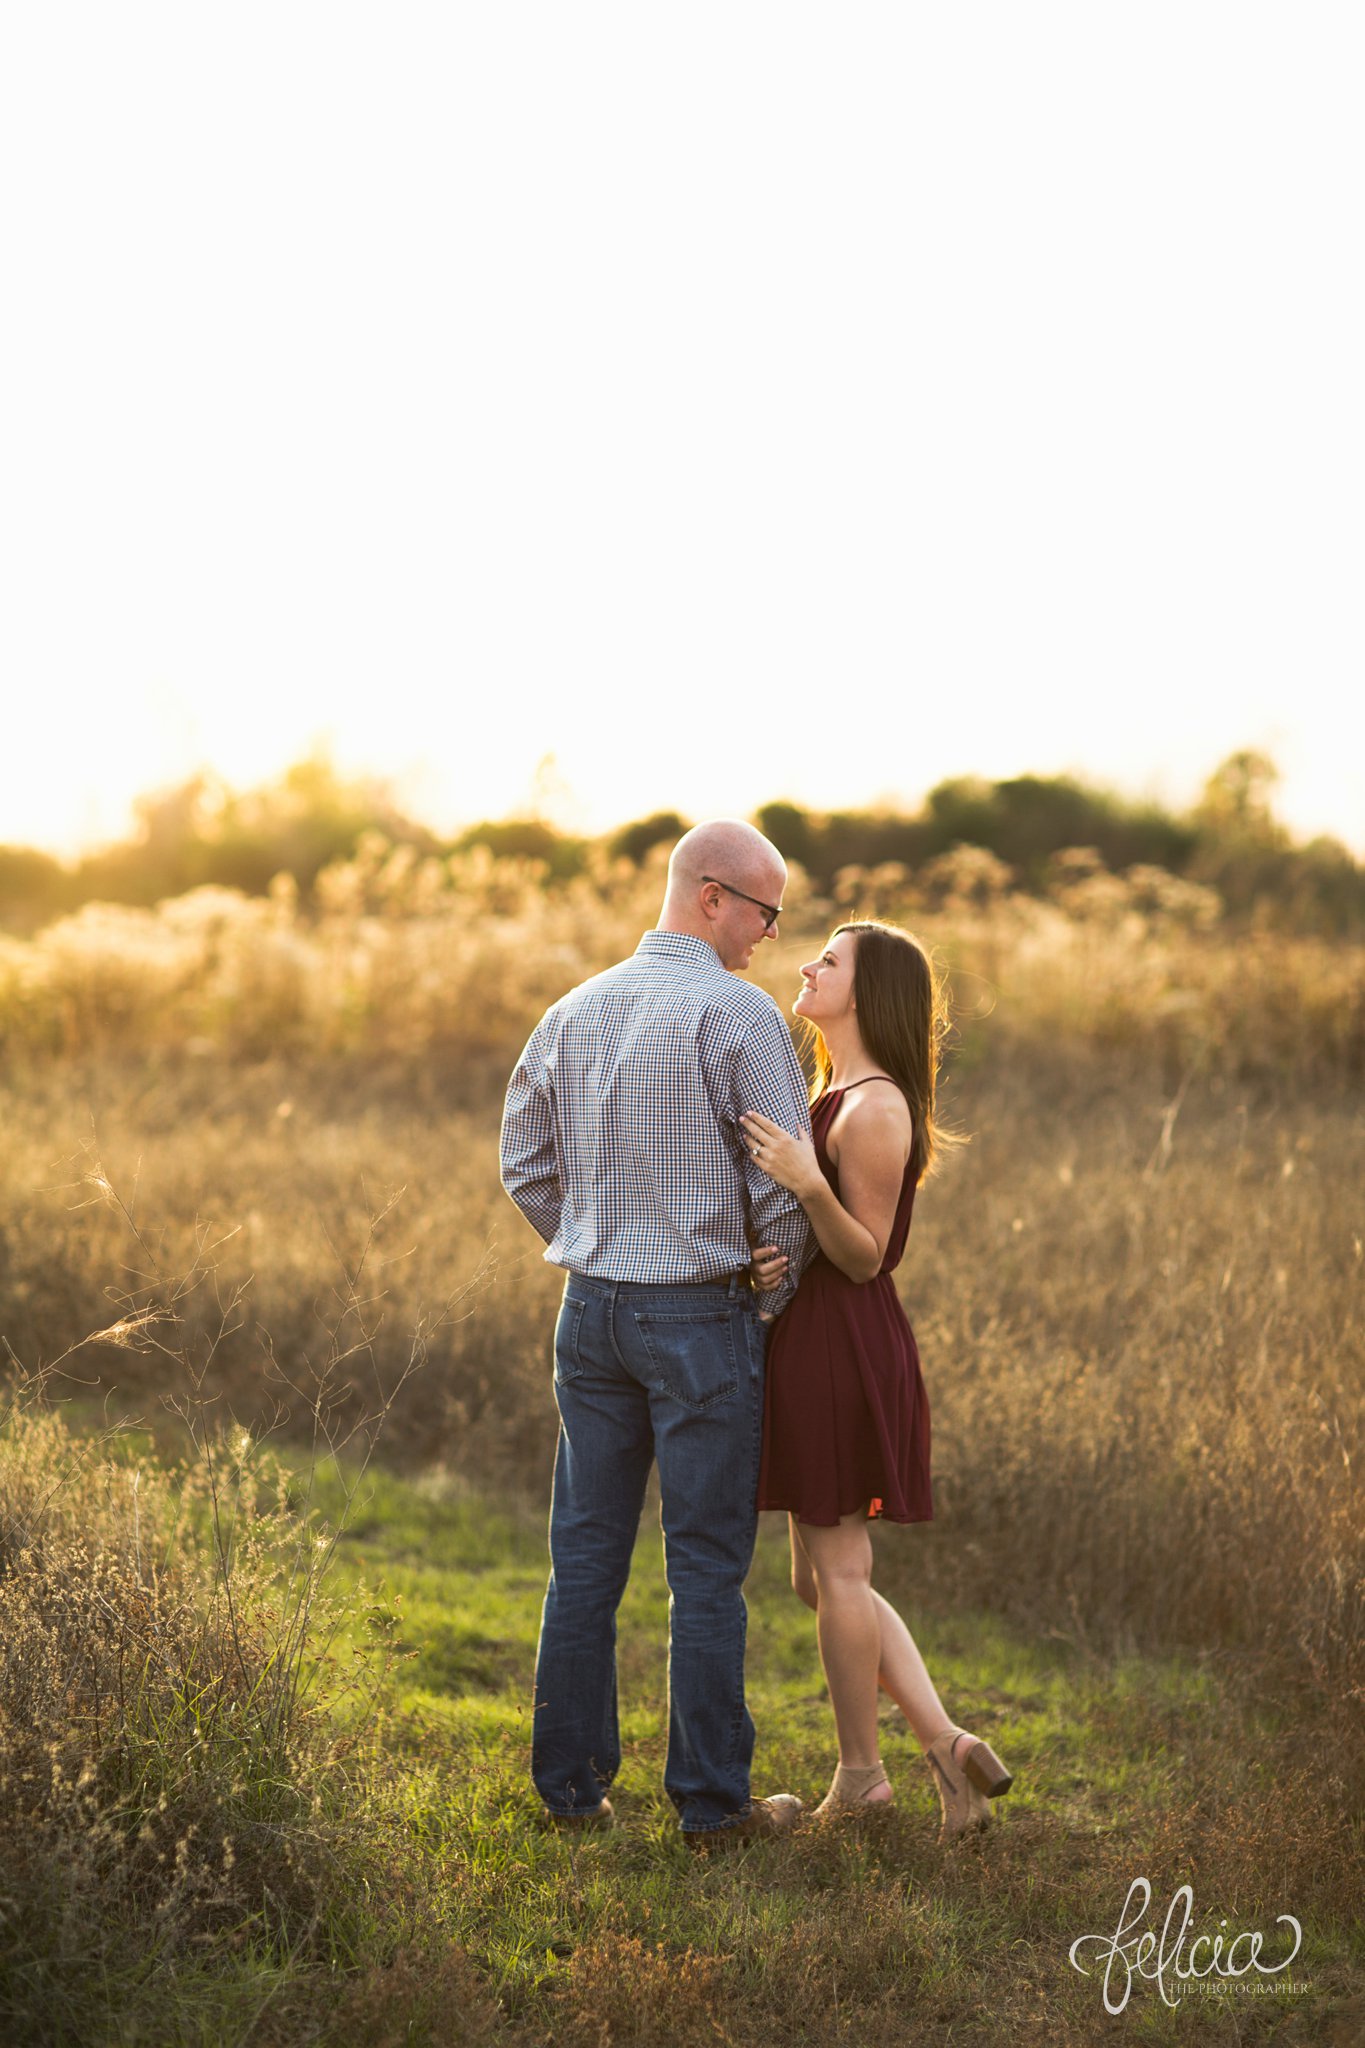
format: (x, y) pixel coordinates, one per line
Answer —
(741, 863)
(728, 847)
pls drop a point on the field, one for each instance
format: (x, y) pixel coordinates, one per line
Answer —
(262, 1148)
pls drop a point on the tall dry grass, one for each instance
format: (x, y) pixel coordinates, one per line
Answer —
(1137, 1291)
(448, 963)
(185, 1830)
(1142, 1322)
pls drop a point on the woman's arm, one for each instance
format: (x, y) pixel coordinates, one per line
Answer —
(874, 1144)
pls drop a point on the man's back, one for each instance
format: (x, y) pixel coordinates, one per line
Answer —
(621, 1140)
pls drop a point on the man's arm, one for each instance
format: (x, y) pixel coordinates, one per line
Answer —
(767, 1072)
(526, 1152)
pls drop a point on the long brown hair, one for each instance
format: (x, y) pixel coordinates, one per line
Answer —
(903, 1022)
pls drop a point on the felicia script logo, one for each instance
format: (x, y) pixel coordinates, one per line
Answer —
(1134, 1950)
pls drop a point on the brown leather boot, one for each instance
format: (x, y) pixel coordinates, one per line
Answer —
(775, 1815)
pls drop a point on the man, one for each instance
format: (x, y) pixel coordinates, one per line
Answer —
(621, 1143)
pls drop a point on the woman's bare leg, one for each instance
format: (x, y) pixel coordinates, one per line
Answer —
(849, 1632)
(902, 1673)
(901, 1669)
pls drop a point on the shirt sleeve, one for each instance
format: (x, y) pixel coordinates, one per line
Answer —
(767, 1077)
(526, 1150)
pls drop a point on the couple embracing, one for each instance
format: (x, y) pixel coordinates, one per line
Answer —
(730, 1313)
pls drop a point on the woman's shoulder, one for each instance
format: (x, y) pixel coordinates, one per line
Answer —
(874, 1112)
(876, 1099)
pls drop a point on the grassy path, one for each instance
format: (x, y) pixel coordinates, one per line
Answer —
(1125, 1768)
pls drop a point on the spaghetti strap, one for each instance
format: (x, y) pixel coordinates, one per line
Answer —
(828, 1094)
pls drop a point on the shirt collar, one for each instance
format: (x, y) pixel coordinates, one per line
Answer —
(680, 946)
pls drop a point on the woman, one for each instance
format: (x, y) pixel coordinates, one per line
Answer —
(846, 1424)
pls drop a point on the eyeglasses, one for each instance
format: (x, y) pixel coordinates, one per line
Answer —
(771, 911)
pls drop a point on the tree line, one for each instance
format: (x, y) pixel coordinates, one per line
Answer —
(1230, 840)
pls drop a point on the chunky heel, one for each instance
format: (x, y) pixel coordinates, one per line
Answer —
(986, 1771)
(965, 1785)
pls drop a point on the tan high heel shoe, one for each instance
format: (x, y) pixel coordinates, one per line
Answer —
(847, 1795)
(966, 1782)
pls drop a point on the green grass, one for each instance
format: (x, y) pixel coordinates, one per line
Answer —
(438, 1909)
(1125, 1766)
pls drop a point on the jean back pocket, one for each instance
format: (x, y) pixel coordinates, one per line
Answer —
(693, 1356)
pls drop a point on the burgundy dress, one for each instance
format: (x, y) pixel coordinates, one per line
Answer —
(846, 1416)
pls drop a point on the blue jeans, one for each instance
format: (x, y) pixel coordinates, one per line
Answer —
(673, 1373)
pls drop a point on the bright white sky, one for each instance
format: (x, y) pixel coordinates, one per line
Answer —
(732, 400)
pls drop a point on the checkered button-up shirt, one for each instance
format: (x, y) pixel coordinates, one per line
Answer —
(621, 1139)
